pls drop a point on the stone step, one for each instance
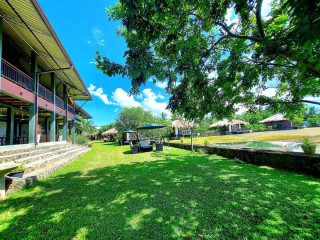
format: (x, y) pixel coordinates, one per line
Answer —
(16, 155)
(22, 148)
(44, 155)
(30, 177)
(32, 166)
(50, 168)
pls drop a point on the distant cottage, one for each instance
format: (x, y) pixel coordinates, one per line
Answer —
(110, 135)
(181, 128)
(278, 121)
(233, 126)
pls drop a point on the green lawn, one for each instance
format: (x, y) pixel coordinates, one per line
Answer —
(111, 194)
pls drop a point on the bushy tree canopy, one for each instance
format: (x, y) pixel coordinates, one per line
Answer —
(131, 118)
(211, 64)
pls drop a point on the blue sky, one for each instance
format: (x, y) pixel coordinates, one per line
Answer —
(83, 27)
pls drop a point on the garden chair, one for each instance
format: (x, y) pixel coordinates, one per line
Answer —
(146, 145)
(134, 148)
(159, 146)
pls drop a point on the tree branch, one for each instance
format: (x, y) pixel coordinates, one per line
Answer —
(311, 68)
(225, 28)
(312, 102)
(289, 102)
(269, 63)
(258, 18)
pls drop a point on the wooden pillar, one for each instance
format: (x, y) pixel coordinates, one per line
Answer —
(33, 111)
(65, 118)
(57, 128)
(18, 128)
(53, 114)
(10, 126)
(47, 127)
(73, 131)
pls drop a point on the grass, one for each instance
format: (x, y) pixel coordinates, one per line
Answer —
(111, 194)
(285, 135)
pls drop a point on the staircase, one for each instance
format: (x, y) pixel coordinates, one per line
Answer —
(39, 162)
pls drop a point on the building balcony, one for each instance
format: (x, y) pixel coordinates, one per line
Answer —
(16, 76)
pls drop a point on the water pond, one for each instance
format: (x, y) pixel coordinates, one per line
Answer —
(271, 145)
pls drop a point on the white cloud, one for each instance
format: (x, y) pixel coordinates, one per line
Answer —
(213, 74)
(98, 36)
(98, 92)
(240, 109)
(122, 98)
(231, 18)
(162, 85)
(149, 103)
(269, 92)
(139, 96)
(150, 94)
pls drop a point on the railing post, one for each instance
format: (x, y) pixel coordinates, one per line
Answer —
(53, 114)
(33, 111)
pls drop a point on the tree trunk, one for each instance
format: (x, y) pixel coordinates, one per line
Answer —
(191, 138)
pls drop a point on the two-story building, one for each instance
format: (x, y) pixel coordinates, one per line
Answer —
(39, 83)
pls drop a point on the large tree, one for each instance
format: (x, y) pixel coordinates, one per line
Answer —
(131, 118)
(213, 64)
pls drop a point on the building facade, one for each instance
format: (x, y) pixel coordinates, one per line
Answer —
(39, 83)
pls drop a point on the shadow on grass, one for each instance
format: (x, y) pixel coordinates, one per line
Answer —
(178, 196)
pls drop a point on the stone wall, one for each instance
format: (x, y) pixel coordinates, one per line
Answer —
(296, 162)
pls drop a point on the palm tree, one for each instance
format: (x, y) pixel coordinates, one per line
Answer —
(86, 127)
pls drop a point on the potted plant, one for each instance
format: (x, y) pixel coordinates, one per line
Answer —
(60, 135)
(308, 147)
(18, 172)
(39, 132)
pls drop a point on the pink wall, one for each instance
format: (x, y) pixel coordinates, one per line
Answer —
(17, 91)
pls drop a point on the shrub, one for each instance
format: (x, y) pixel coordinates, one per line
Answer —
(206, 143)
(80, 139)
(308, 147)
(258, 127)
(201, 151)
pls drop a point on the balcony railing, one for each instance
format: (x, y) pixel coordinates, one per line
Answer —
(45, 93)
(14, 74)
(70, 109)
(59, 102)
(17, 76)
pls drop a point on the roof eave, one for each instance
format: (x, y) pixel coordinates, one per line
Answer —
(56, 38)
